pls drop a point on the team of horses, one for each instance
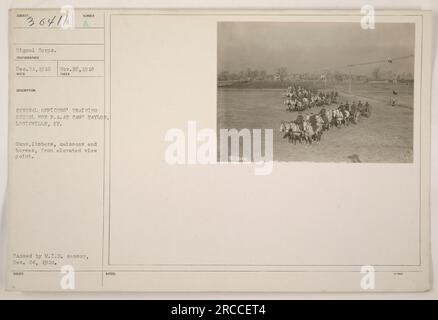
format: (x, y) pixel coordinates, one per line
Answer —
(309, 128)
(299, 98)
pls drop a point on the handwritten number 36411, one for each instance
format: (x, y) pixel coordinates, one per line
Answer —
(58, 21)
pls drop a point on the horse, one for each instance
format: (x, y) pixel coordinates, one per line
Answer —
(292, 131)
(308, 132)
(284, 128)
(355, 116)
(288, 103)
(299, 106)
(295, 133)
(338, 117)
(366, 110)
(346, 117)
(326, 116)
(317, 126)
(329, 115)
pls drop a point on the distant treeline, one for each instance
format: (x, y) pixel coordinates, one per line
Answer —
(268, 84)
(282, 74)
(248, 74)
(317, 84)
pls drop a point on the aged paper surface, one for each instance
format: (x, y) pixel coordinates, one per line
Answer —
(113, 184)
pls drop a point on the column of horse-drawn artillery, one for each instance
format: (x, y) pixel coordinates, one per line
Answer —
(309, 128)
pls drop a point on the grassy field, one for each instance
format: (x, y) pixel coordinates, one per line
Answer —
(387, 136)
(381, 92)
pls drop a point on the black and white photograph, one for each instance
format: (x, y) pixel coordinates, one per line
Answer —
(330, 91)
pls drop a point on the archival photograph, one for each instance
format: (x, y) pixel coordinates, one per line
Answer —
(330, 91)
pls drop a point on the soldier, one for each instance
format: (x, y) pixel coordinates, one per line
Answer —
(367, 110)
(353, 108)
(299, 121)
(394, 97)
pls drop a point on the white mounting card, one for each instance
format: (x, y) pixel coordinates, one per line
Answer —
(219, 150)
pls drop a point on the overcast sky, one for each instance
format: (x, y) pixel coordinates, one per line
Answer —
(311, 47)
